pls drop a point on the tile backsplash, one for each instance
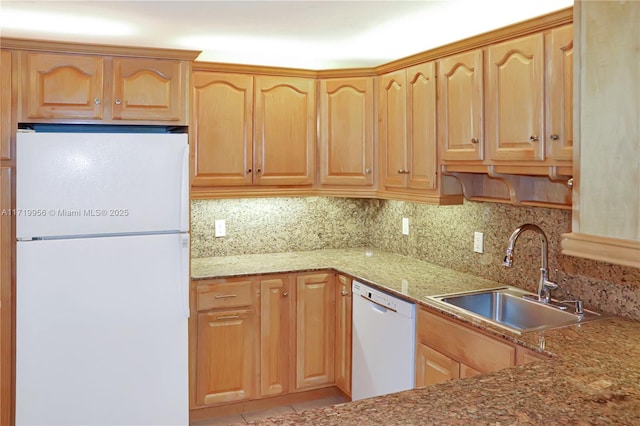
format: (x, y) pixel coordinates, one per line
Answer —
(442, 235)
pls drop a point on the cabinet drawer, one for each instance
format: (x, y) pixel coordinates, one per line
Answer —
(224, 295)
(478, 351)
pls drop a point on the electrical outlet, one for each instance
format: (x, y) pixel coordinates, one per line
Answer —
(220, 228)
(405, 226)
(478, 242)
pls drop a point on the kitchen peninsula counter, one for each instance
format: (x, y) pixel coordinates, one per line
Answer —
(592, 376)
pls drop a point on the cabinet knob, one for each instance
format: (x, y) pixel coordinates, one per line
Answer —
(367, 171)
(248, 170)
(534, 138)
(475, 140)
(344, 293)
(570, 183)
(554, 137)
(96, 101)
(118, 101)
(285, 294)
(400, 171)
(405, 171)
(258, 170)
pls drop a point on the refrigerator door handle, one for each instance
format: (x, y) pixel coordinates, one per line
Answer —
(184, 274)
(184, 191)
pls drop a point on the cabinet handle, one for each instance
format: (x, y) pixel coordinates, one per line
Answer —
(285, 294)
(475, 140)
(344, 293)
(224, 317)
(225, 296)
(118, 101)
(554, 137)
(96, 101)
(534, 138)
(367, 171)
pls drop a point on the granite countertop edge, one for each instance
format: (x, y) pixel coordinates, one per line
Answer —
(580, 384)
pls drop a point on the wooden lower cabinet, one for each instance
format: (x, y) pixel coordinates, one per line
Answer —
(343, 335)
(268, 336)
(226, 356)
(447, 350)
(315, 322)
(274, 335)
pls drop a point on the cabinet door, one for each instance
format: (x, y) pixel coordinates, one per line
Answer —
(560, 83)
(5, 105)
(315, 322)
(346, 131)
(6, 296)
(460, 107)
(274, 336)
(222, 129)
(432, 367)
(393, 128)
(285, 131)
(225, 364)
(422, 159)
(149, 89)
(63, 86)
(466, 371)
(515, 105)
(343, 334)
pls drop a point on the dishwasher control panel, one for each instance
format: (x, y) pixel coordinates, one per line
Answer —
(383, 299)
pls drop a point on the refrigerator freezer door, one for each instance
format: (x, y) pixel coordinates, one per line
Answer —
(101, 183)
(101, 331)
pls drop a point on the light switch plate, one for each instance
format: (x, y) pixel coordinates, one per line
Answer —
(478, 242)
(405, 226)
(220, 228)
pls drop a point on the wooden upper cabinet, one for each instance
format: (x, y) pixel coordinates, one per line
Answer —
(5, 105)
(92, 88)
(315, 322)
(149, 89)
(222, 129)
(285, 130)
(408, 144)
(559, 135)
(460, 106)
(58, 86)
(275, 308)
(346, 131)
(393, 128)
(421, 127)
(515, 99)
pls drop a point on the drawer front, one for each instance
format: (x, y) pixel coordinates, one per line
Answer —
(474, 349)
(224, 295)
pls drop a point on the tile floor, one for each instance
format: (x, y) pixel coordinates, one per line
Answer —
(275, 411)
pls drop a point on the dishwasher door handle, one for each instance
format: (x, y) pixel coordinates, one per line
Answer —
(378, 307)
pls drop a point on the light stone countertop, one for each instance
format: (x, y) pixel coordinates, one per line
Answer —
(593, 376)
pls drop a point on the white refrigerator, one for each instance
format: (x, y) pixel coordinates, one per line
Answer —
(102, 279)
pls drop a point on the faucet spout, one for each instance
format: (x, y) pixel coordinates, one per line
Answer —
(544, 285)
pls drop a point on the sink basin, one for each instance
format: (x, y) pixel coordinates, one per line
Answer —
(508, 307)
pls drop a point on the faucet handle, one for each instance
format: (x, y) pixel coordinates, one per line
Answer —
(508, 259)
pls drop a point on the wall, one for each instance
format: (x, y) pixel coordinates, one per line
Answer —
(273, 225)
(440, 235)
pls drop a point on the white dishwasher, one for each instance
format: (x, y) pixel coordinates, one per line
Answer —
(383, 343)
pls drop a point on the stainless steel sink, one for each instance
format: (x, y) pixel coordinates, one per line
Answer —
(513, 309)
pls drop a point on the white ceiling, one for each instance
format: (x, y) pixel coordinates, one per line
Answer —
(299, 34)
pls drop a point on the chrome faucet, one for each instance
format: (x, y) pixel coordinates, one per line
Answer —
(544, 284)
